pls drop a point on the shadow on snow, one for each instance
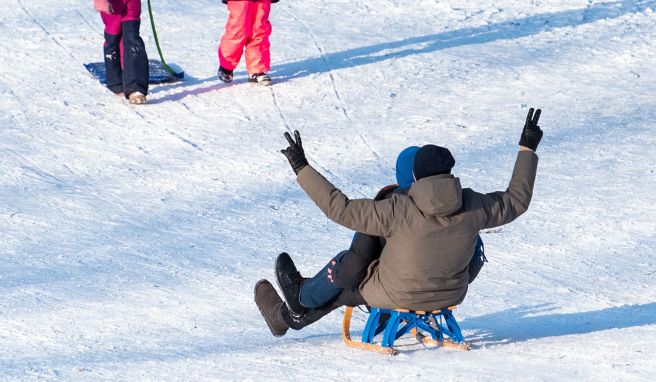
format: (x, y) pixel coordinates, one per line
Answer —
(506, 30)
(529, 322)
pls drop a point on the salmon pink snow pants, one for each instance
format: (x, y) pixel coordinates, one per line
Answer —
(126, 62)
(248, 27)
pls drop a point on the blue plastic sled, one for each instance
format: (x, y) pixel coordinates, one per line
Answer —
(157, 74)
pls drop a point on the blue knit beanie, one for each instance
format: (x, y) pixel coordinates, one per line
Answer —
(404, 163)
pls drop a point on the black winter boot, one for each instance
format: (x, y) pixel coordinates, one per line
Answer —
(310, 316)
(260, 79)
(289, 280)
(224, 74)
(296, 322)
(270, 305)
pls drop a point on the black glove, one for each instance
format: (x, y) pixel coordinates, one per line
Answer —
(531, 134)
(294, 152)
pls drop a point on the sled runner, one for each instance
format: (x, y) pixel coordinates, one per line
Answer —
(436, 328)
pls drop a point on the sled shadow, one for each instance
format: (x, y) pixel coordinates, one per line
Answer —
(529, 322)
(507, 30)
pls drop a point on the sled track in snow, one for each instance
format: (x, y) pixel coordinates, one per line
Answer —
(244, 112)
(173, 133)
(332, 82)
(87, 22)
(325, 62)
(282, 115)
(291, 132)
(48, 34)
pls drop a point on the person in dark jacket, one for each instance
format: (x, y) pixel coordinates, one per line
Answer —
(436, 213)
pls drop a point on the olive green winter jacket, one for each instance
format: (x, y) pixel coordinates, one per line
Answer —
(431, 232)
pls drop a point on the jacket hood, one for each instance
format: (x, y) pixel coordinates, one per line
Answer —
(438, 195)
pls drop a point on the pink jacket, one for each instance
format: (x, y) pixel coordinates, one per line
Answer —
(103, 6)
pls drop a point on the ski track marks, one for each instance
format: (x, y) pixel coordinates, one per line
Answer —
(46, 32)
(336, 93)
(149, 120)
(325, 62)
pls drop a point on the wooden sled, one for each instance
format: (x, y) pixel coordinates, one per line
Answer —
(436, 328)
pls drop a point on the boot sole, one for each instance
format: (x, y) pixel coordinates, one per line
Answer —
(266, 317)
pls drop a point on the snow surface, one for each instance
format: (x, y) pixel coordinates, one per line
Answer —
(132, 237)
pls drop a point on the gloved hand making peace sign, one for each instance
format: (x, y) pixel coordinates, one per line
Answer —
(531, 134)
(294, 153)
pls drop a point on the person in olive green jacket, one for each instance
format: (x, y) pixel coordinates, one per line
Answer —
(430, 233)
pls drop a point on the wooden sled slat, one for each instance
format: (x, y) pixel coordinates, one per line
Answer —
(346, 336)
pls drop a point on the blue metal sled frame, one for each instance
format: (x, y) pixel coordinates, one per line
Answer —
(436, 328)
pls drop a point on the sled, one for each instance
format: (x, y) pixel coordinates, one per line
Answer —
(157, 73)
(435, 328)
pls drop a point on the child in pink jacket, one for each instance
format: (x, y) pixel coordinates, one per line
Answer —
(248, 28)
(126, 62)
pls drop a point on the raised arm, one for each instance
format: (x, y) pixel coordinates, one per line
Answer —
(363, 215)
(503, 207)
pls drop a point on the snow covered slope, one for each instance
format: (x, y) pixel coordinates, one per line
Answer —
(132, 237)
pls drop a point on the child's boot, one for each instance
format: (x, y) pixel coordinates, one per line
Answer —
(260, 79)
(289, 280)
(224, 74)
(137, 98)
(271, 307)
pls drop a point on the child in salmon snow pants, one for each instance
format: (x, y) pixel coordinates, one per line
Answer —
(126, 62)
(248, 28)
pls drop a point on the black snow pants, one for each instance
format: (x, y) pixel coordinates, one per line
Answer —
(131, 74)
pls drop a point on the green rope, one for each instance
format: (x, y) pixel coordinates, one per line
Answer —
(152, 23)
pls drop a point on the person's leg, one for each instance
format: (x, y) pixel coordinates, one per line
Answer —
(347, 297)
(279, 318)
(320, 289)
(135, 59)
(112, 49)
(345, 271)
(237, 32)
(258, 56)
(367, 248)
